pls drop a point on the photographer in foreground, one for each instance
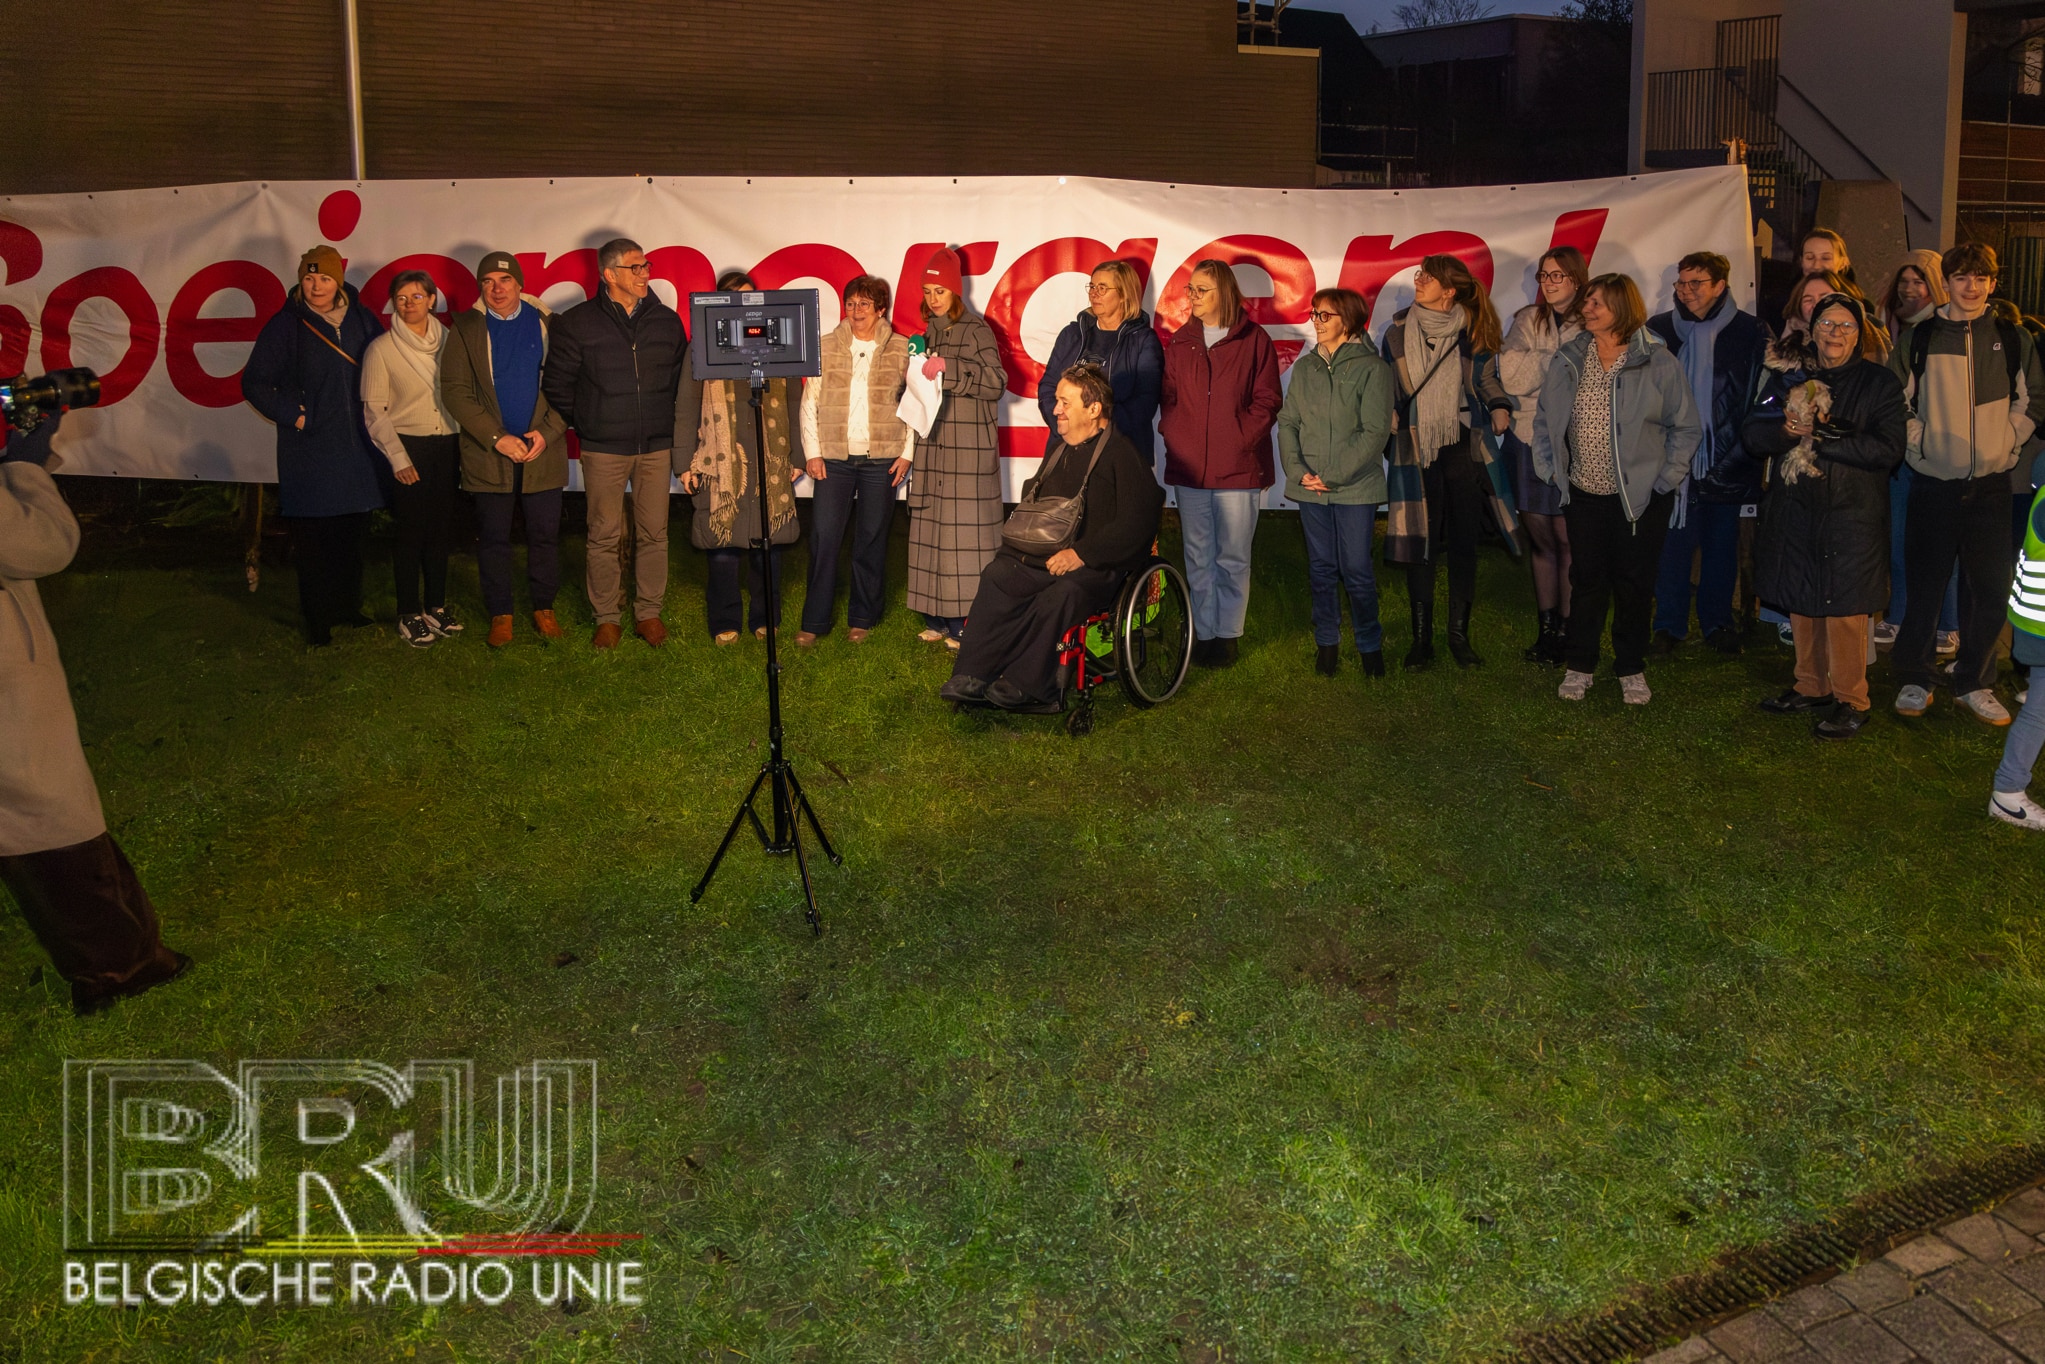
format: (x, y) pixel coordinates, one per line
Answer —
(73, 883)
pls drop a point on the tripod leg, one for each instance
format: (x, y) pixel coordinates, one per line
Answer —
(802, 800)
(809, 895)
(745, 809)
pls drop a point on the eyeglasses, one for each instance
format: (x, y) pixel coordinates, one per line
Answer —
(1419, 275)
(1199, 291)
(640, 269)
(1837, 327)
(1550, 277)
(1099, 288)
(1323, 316)
(1691, 286)
(859, 305)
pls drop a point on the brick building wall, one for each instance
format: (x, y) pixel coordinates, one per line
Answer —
(184, 92)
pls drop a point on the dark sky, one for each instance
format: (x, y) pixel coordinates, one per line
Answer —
(1363, 13)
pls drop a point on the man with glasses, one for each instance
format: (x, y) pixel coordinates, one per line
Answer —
(1976, 394)
(613, 366)
(1721, 349)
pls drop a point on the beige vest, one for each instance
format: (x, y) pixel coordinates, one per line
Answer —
(886, 433)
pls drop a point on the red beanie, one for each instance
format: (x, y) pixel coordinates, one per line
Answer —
(944, 269)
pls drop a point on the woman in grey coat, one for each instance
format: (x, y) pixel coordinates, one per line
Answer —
(1614, 434)
(955, 495)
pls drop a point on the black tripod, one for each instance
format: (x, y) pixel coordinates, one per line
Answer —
(777, 771)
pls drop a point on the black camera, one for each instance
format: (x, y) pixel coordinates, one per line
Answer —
(25, 402)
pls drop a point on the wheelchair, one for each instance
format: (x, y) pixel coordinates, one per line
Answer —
(1144, 641)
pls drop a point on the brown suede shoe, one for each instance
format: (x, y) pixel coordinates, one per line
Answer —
(500, 631)
(856, 635)
(607, 636)
(544, 622)
(651, 630)
(806, 639)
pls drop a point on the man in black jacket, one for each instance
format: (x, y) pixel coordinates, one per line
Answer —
(1009, 657)
(1721, 350)
(613, 364)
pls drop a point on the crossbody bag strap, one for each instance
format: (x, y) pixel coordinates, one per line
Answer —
(307, 323)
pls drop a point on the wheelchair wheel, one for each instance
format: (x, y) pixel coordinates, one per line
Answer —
(1153, 627)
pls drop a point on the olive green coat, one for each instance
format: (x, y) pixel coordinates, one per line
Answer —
(1335, 422)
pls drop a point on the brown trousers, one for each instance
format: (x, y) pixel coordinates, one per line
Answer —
(603, 481)
(92, 916)
(1831, 657)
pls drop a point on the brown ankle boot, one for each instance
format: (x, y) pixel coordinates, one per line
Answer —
(500, 631)
(544, 622)
(607, 636)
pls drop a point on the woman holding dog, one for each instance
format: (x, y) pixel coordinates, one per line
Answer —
(1822, 550)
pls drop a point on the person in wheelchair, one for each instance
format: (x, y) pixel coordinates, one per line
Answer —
(1026, 601)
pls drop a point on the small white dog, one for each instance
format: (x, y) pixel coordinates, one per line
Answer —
(1809, 404)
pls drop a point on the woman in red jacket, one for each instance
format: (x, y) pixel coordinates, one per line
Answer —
(1221, 400)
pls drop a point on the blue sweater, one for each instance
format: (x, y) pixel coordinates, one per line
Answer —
(517, 350)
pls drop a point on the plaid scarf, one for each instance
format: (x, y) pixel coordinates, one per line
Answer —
(1406, 539)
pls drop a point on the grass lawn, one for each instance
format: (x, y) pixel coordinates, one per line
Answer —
(1298, 1019)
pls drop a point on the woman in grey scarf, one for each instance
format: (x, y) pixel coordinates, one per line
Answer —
(1444, 352)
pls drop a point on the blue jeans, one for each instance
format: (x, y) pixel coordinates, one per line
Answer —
(1713, 528)
(858, 494)
(1899, 508)
(1338, 555)
(2020, 749)
(1217, 526)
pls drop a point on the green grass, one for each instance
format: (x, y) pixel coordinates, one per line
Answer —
(1297, 1019)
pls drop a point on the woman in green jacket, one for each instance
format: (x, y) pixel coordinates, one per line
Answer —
(1331, 440)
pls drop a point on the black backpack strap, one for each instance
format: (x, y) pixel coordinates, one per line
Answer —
(2012, 357)
(1920, 351)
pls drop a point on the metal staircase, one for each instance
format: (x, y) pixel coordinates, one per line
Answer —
(1713, 115)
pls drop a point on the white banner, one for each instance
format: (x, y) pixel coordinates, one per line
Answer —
(163, 290)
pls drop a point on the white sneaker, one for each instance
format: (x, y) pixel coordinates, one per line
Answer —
(1985, 707)
(1913, 700)
(1574, 685)
(1633, 690)
(1885, 634)
(1786, 633)
(2017, 808)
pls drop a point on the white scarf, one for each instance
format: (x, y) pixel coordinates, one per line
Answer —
(421, 353)
(1438, 407)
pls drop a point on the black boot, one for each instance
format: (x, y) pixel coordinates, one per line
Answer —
(1327, 658)
(1421, 655)
(1459, 636)
(1546, 650)
(1373, 661)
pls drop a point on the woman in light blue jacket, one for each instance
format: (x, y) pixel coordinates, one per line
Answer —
(1614, 434)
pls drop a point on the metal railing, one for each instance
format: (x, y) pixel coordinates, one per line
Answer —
(1729, 110)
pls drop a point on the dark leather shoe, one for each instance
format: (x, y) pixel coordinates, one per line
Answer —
(1794, 702)
(1664, 643)
(1203, 653)
(87, 1004)
(1845, 722)
(1005, 694)
(962, 689)
(1726, 640)
(1224, 654)
(1373, 662)
(1327, 659)
(607, 636)
(651, 630)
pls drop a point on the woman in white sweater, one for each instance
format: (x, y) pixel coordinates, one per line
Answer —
(401, 406)
(1538, 332)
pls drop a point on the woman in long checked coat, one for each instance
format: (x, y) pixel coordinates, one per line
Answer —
(955, 499)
